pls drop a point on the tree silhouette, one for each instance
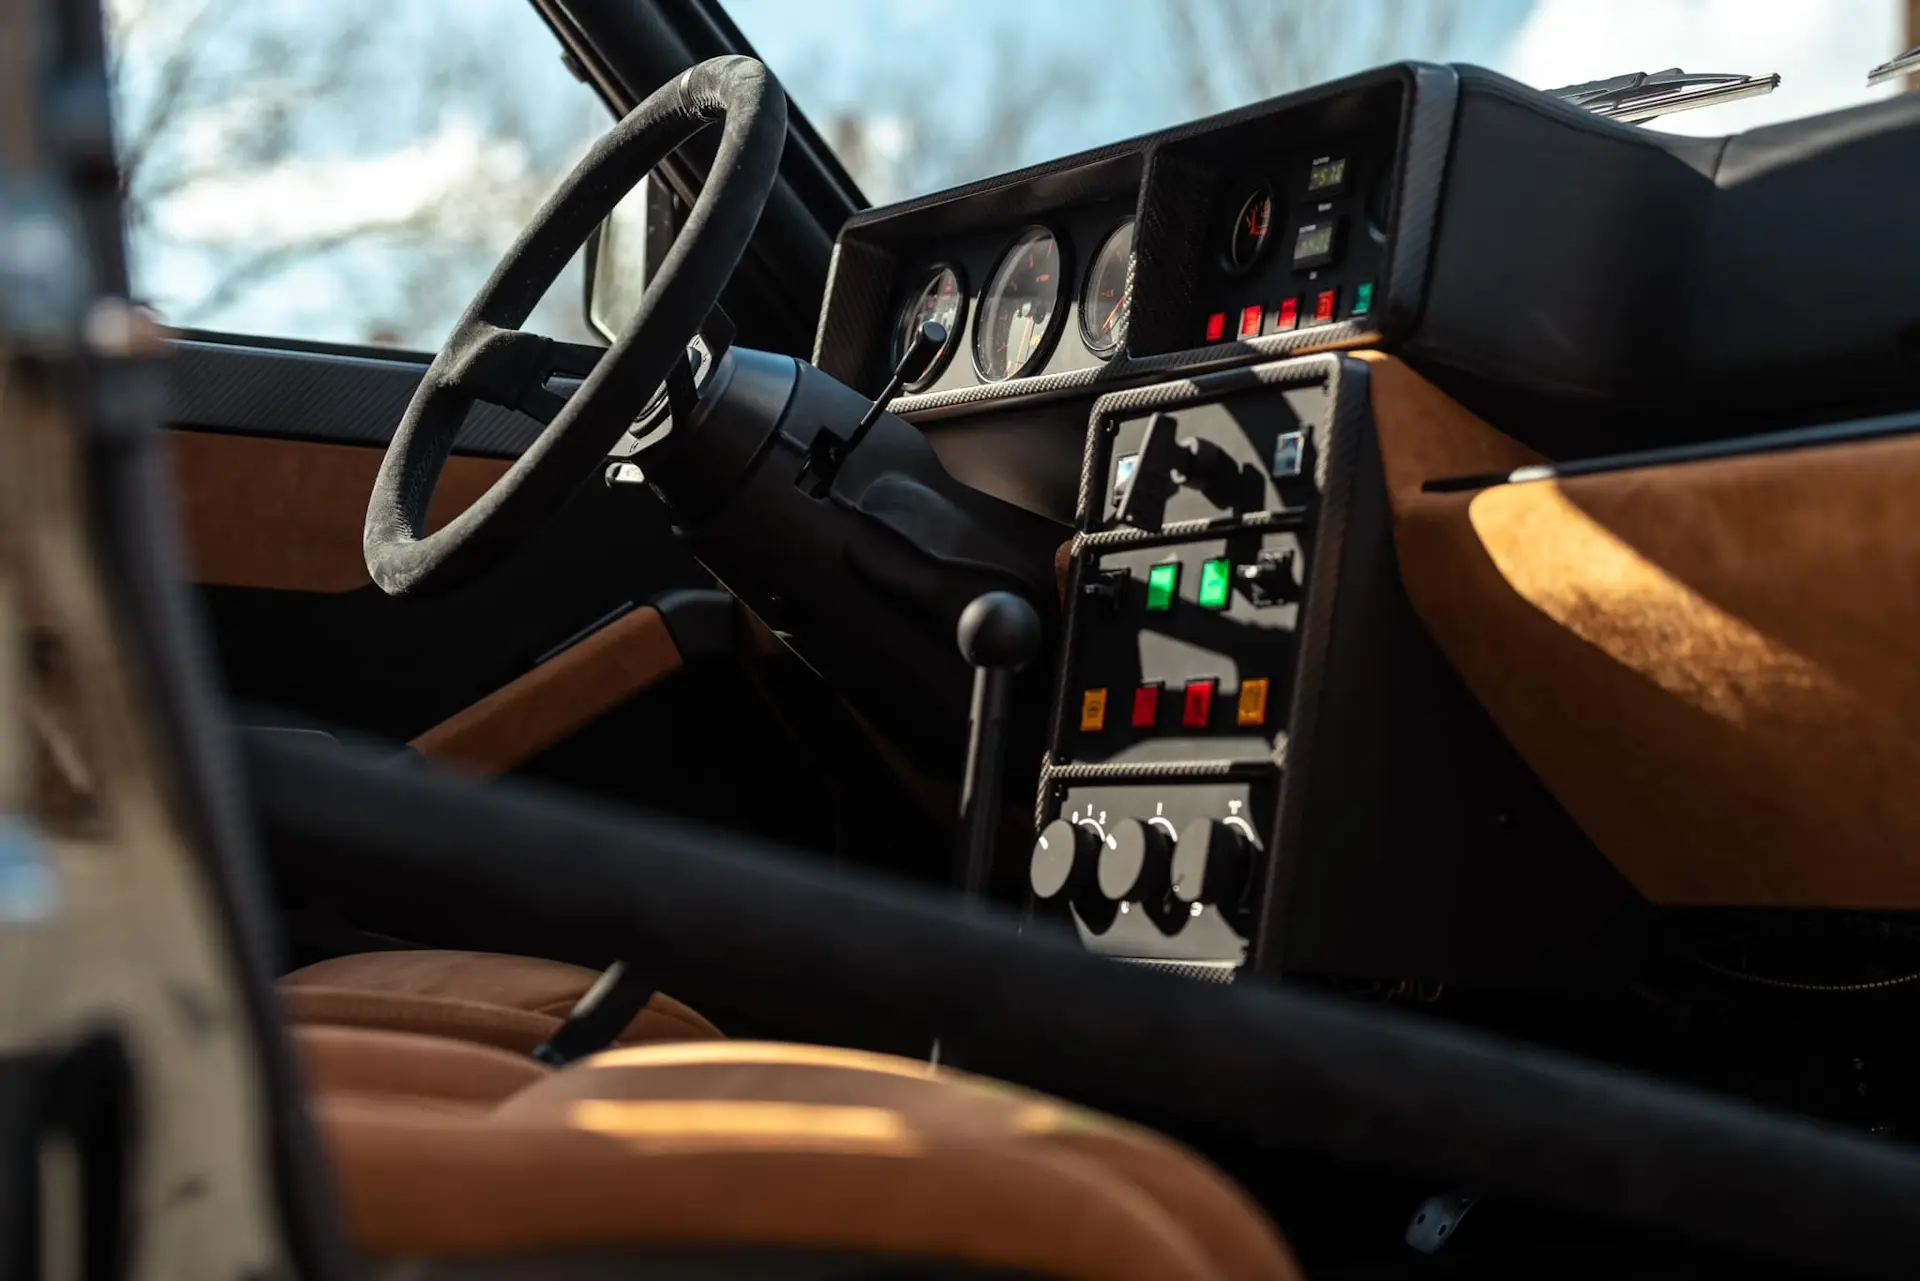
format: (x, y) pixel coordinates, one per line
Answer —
(220, 101)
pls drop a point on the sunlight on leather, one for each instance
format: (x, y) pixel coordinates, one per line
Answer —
(1584, 577)
(683, 1053)
(754, 1124)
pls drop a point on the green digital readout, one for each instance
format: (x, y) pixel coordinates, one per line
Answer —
(1327, 176)
(1313, 245)
(1162, 582)
(1216, 581)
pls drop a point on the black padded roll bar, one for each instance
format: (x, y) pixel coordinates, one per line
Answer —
(507, 866)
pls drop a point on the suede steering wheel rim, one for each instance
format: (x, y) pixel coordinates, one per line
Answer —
(488, 357)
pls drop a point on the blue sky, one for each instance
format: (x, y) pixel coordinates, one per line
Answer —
(835, 53)
(1082, 73)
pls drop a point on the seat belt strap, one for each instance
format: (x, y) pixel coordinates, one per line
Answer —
(615, 1000)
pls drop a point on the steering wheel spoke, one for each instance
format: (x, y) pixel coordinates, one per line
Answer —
(496, 365)
(513, 367)
(564, 360)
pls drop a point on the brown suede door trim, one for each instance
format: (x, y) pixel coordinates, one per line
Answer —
(559, 697)
(1710, 664)
(287, 514)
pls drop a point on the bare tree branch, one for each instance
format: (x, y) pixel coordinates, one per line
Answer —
(223, 96)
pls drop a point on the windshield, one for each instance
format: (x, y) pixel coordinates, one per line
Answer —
(916, 95)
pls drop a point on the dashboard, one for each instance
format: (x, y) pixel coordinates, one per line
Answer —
(1263, 231)
(1256, 756)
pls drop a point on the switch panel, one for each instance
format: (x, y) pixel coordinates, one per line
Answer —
(1188, 607)
(1183, 868)
(1259, 459)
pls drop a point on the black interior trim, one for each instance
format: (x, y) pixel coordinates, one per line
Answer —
(310, 346)
(630, 49)
(294, 393)
(1773, 442)
(709, 913)
(822, 182)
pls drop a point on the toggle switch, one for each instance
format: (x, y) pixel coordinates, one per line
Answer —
(1269, 580)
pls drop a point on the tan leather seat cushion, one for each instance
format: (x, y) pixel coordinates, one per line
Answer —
(760, 1145)
(457, 1076)
(512, 1002)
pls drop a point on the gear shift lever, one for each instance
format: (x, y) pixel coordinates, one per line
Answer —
(999, 636)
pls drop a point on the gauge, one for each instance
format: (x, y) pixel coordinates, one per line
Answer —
(1107, 296)
(1252, 228)
(1020, 313)
(943, 300)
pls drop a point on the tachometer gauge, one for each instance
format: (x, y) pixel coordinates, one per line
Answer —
(1107, 296)
(943, 300)
(1020, 313)
(1252, 228)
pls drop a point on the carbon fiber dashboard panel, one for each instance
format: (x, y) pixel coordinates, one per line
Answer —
(298, 395)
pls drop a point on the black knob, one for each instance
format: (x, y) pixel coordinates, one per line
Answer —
(999, 630)
(1134, 863)
(1211, 862)
(1062, 859)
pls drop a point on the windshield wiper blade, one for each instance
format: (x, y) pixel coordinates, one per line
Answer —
(1643, 95)
(1906, 62)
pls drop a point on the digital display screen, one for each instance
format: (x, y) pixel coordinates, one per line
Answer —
(1314, 245)
(1327, 175)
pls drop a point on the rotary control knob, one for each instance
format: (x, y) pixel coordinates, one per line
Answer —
(1211, 862)
(1063, 859)
(1135, 861)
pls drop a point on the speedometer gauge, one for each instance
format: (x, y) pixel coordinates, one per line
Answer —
(943, 300)
(1107, 296)
(1020, 313)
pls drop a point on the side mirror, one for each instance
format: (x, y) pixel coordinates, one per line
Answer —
(624, 251)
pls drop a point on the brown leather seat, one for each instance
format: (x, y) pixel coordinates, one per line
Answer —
(445, 1147)
(510, 1002)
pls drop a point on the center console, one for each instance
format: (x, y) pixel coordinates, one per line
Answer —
(1257, 759)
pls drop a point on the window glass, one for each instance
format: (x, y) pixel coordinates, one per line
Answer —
(915, 95)
(339, 170)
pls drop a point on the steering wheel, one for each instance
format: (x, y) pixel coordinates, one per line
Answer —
(489, 357)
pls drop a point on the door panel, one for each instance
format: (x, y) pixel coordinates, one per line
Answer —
(287, 514)
(298, 391)
(275, 452)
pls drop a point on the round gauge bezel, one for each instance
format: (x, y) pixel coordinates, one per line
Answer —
(1248, 196)
(1105, 350)
(956, 332)
(1063, 301)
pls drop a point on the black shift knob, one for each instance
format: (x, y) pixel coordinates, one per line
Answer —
(999, 630)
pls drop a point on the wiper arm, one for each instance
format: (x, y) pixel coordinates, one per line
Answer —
(1906, 62)
(1642, 95)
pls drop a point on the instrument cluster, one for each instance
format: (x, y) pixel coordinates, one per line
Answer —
(1261, 232)
(1009, 299)
(1299, 240)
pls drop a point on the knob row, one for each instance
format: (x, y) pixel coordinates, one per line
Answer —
(1141, 861)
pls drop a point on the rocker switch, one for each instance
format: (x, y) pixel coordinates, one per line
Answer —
(1270, 579)
(1103, 588)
